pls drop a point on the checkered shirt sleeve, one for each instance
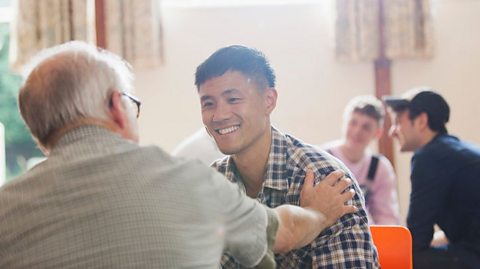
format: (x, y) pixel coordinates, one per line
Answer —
(345, 244)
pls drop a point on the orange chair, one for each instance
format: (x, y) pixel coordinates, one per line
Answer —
(394, 246)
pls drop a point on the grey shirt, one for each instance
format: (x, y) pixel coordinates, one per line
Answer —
(100, 201)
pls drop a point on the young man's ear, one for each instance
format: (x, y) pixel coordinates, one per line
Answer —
(422, 120)
(117, 110)
(270, 99)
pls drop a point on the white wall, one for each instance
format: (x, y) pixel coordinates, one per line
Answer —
(298, 39)
(312, 86)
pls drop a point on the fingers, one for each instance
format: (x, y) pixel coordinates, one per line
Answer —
(307, 189)
(309, 178)
(333, 177)
(349, 209)
(343, 183)
(348, 195)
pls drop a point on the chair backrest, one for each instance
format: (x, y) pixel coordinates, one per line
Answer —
(394, 246)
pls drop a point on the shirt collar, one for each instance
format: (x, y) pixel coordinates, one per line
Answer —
(276, 173)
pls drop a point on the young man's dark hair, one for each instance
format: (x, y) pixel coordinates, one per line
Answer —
(420, 100)
(248, 61)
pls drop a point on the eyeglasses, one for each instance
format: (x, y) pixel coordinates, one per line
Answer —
(135, 100)
(132, 98)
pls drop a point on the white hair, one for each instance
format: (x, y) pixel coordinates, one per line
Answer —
(69, 82)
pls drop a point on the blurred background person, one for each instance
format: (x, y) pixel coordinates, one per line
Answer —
(200, 145)
(445, 179)
(362, 125)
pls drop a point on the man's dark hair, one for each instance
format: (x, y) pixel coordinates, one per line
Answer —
(435, 123)
(248, 61)
(422, 100)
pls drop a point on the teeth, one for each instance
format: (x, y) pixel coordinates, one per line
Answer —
(228, 130)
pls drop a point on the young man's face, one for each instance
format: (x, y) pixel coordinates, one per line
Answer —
(235, 112)
(360, 130)
(405, 131)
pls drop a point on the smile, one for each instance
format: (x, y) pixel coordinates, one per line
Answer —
(228, 130)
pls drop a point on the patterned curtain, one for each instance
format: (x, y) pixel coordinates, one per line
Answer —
(407, 29)
(132, 28)
(133, 31)
(40, 24)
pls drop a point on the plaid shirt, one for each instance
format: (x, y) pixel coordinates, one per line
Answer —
(346, 244)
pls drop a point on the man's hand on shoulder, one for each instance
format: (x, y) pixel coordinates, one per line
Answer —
(329, 196)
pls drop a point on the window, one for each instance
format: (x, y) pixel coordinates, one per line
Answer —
(19, 146)
(5, 11)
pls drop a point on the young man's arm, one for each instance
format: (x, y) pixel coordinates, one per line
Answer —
(286, 227)
(322, 205)
(290, 227)
(347, 243)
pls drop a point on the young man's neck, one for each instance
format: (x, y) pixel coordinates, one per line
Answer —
(428, 136)
(252, 163)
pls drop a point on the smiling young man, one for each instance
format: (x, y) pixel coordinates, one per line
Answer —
(236, 86)
(445, 178)
(362, 124)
